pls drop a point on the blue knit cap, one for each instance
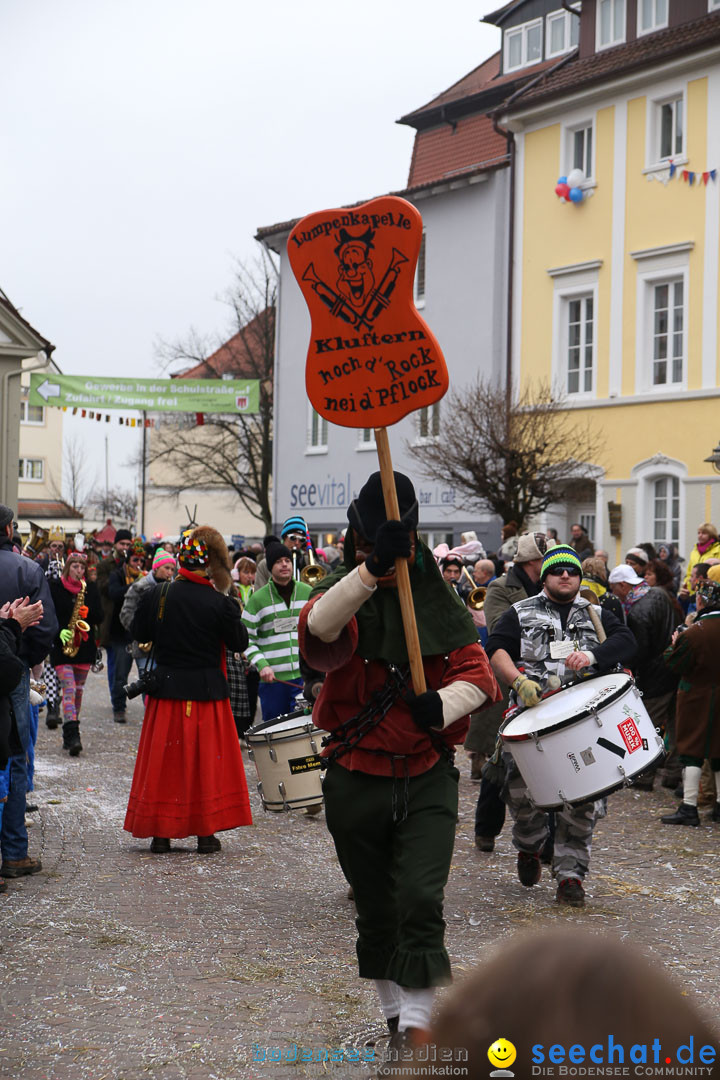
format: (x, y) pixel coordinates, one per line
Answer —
(294, 524)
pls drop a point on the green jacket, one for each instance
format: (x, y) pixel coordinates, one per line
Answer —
(272, 629)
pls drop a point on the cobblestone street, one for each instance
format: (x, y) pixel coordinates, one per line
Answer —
(122, 965)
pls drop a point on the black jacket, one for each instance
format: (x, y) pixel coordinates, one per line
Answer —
(64, 602)
(197, 621)
(118, 585)
(11, 672)
(20, 577)
(652, 620)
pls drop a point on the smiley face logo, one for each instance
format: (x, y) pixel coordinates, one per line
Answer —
(502, 1053)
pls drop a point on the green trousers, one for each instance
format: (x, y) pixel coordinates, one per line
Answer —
(397, 868)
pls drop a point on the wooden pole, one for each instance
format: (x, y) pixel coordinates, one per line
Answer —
(392, 510)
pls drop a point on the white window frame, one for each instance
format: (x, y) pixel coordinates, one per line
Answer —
(366, 439)
(561, 15)
(25, 413)
(572, 283)
(657, 106)
(316, 440)
(656, 25)
(657, 269)
(523, 30)
(661, 95)
(566, 298)
(567, 163)
(23, 476)
(429, 415)
(666, 534)
(713, 5)
(599, 46)
(588, 520)
(420, 282)
(670, 282)
(645, 474)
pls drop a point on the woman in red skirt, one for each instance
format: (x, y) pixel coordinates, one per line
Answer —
(189, 776)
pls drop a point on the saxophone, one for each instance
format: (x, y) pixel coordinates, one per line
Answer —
(77, 625)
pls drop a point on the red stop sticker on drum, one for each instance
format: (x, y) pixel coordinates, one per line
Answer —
(630, 735)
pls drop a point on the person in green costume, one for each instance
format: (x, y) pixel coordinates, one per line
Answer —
(391, 788)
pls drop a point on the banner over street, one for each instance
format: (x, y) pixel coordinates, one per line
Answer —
(149, 395)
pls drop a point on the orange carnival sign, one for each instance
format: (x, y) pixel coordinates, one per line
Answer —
(372, 358)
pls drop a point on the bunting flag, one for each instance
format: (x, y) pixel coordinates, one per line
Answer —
(124, 421)
(690, 175)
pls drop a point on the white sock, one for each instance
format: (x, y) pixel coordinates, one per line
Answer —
(415, 1007)
(390, 997)
(717, 786)
(691, 784)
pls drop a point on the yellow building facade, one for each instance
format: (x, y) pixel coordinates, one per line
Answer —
(616, 297)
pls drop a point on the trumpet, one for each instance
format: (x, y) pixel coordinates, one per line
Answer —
(36, 541)
(476, 599)
(312, 573)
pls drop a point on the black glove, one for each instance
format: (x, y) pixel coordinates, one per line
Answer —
(392, 541)
(426, 709)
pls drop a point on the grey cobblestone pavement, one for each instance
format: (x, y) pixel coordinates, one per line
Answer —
(121, 965)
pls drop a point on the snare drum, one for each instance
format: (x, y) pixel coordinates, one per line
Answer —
(583, 742)
(286, 753)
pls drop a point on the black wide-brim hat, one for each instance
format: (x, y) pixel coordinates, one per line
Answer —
(366, 513)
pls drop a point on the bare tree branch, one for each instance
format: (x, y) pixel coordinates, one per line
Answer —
(75, 486)
(516, 464)
(115, 503)
(230, 453)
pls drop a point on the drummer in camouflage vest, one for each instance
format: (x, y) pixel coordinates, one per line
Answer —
(538, 645)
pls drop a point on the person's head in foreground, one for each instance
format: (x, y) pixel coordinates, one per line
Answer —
(574, 999)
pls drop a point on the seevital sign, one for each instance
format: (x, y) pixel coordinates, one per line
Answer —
(226, 396)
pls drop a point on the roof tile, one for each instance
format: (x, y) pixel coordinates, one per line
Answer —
(444, 151)
(240, 356)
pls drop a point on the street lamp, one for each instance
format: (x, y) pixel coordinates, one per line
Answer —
(714, 458)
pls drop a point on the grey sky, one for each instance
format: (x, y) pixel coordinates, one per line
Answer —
(142, 143)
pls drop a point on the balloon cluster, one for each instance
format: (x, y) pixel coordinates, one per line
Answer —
(569, 187)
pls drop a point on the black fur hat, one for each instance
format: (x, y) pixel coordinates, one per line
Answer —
(367, 513)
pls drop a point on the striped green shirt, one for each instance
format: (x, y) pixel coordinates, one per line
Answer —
(272, 629)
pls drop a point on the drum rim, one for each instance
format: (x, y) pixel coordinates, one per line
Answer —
(603, 791)
(568, 721)
(265, 724)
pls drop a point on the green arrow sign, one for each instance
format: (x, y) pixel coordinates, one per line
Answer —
(149, 395)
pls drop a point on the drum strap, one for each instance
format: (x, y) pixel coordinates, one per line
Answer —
(597, 623)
